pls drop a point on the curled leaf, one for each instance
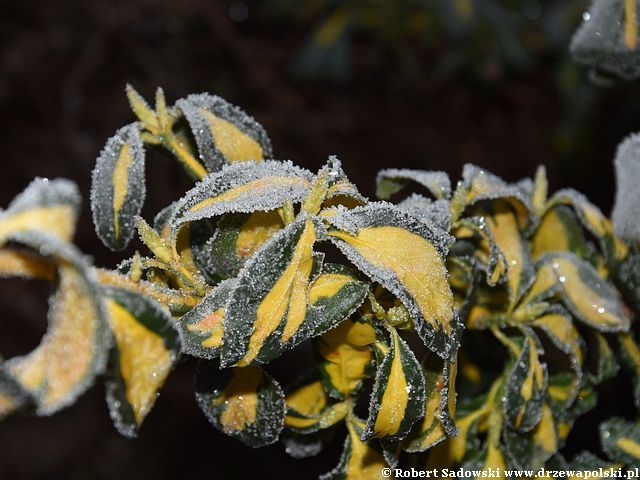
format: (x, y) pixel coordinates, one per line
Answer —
(146, 346)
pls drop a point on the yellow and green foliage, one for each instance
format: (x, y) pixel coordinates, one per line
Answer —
(476, 320)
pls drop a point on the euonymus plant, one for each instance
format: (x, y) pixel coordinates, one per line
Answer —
(467, 325)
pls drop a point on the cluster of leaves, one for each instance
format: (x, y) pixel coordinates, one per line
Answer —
(237, 273)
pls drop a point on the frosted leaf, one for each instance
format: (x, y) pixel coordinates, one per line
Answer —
(398, 396)
(602, 40)
(245, 403)
(19, 262)
(224, 133)
(146, 347)
(438, 212)
(118, 187)
(277, 304)
(405, 254)
(202, 327)
(484, 186)
(526, 387)
(618, 438)
(626, 210)
(243, 187)
(340, 190)
(177, 301)
(587, 295)
(49, 206)
(392, 180)
(592, 219)
(494, 264)
(73, 350)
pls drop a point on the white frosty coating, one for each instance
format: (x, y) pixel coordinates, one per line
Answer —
(102, 188)
(599, 41)
(336, 175)
(437, 211)
(626, 209)
(379, 214)
(385, 214)
(415, 378)
(266, 198)
(270, 408)
(218, 298)
(49, 245)
(42, 192)
(209, 154)
(139, 306)
(492, 187)
(436, 182)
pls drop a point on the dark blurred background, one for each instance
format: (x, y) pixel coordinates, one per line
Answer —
(430, 84)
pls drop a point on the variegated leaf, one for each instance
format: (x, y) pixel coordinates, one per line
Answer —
(202, 327)
(73, 351)
(245, 403)
(586, 294)
(45, 206)
(526, 387)
(146, 347)
(398, 396)
(309, 408)
(118, 187)
(347, 357)
(406, 256)
(360, 459)
(224, 133)
(243, 188)
(620, 440)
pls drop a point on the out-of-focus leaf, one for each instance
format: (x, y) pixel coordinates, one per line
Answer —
(45, 206)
